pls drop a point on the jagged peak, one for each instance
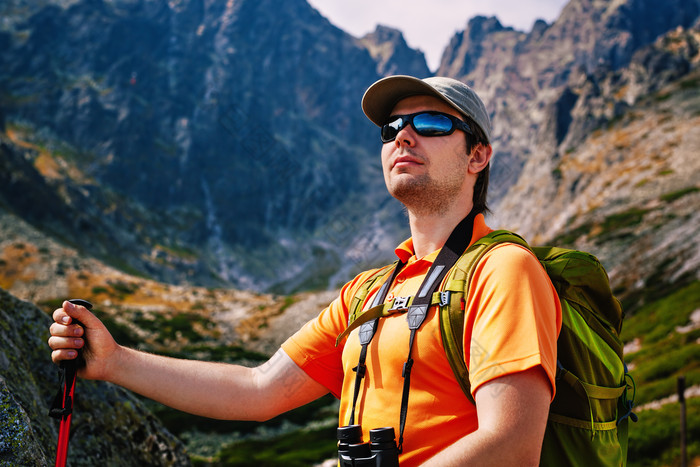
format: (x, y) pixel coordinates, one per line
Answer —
(386, 33)
(389, 49)
(466, 47)
(539, 27)
(481, 26)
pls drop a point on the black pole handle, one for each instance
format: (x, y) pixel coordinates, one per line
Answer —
(79, 361)
(81, 302)
(62, 405)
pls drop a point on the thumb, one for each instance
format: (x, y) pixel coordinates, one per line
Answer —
(78, 313)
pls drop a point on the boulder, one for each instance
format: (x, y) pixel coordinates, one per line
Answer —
(110, 425)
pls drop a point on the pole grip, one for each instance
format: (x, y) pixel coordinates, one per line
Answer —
(79, 361)
(63, 404)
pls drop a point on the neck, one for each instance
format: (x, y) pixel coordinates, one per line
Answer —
(430, 231)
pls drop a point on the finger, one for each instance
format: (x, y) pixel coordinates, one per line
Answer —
(61, 316)
(78, 312)
(74, 330)
(60, 355)
(58, 343)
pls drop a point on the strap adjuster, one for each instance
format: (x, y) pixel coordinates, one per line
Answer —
(400, 303)
(444, 298)
(360, 370)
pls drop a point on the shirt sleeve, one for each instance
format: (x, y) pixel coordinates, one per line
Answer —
(513, 317)
(313, 346)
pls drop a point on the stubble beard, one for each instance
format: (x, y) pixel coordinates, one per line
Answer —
(422, 195)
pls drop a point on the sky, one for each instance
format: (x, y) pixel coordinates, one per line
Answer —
(428, 25)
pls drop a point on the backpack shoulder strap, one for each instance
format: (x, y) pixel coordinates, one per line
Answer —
(362, 292)
(452, 314)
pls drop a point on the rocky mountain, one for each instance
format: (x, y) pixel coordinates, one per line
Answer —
(109, 426)
(223, 144)
(236, 130)
(645, 174)
(520, 75)
(388, 48)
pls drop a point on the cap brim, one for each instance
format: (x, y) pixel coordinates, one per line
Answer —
(381, 98)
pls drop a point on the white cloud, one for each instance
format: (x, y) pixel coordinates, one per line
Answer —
(428, 25)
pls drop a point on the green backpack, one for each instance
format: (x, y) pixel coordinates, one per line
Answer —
(588, 417)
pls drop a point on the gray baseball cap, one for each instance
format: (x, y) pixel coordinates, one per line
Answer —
(381, 97)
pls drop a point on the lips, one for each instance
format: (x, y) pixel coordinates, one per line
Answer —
(406, 160)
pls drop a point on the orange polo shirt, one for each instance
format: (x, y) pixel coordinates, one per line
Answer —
(512, 320)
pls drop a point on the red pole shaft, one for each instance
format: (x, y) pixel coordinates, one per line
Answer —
(64, 429)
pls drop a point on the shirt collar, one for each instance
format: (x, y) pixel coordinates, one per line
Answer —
(406, 254)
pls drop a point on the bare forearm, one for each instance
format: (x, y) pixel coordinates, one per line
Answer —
(209, 389)
(216, 390)
(481, 448)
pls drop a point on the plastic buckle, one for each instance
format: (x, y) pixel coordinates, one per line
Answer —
(445, 298)
(400, 303)
(361, 370)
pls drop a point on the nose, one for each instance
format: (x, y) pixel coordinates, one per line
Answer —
(405, 137)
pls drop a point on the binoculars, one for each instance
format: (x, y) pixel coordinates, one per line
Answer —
(381, 451)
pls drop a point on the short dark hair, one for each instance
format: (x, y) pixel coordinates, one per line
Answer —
(482, 180)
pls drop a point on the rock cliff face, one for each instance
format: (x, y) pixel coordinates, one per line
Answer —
(594, 115)
(222, 325)
(631, 166)
(110, 427)
(239, 124)
(393, 56)
(521, 75)
(462, 54)
(222, 143)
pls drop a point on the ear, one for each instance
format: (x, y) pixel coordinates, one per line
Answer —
(479, 158)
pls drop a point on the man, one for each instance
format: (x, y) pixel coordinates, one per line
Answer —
(435, 158)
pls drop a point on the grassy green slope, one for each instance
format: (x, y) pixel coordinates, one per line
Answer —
(667, 348)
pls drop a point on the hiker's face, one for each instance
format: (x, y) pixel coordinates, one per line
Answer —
(426, 172)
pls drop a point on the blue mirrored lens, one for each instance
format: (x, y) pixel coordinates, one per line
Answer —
(432, 124)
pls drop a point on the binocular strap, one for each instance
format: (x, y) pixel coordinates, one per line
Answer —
(454, 247)
(367, 331)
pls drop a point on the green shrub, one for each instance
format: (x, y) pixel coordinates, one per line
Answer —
(623, 219)
(124, 288)
(169, 328)
(657, 319)
(121, 333)
(668, 363)
(99, 289)
(223, 353)
(665, 353)
(654, 439)
(570, 236)
(674, 195)
(300, 448)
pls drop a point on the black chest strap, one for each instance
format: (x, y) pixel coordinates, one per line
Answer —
(454, 247)
(366, 334)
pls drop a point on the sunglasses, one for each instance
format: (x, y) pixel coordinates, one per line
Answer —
(427, 123)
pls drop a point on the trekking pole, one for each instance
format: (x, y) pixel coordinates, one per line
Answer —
(62, 407)
(681, 400)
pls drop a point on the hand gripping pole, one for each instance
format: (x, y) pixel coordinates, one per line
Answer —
(62, 407)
